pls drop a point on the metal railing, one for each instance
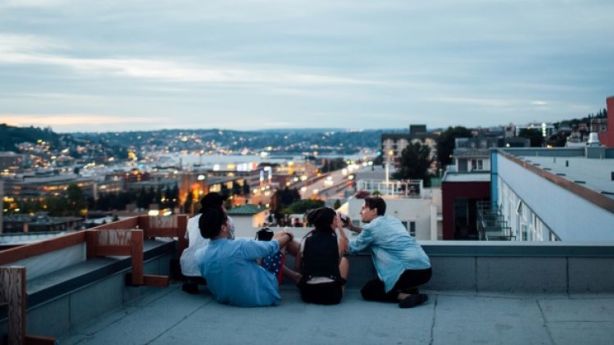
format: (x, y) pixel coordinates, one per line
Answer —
(491, 224)
(406, 188)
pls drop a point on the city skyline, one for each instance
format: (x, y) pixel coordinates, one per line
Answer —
(249, 65)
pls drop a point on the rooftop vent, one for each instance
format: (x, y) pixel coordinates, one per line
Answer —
(593, 140)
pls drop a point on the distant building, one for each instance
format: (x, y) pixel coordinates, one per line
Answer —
(10, 161)
(248, 218)
(514, 142)
(473, 154)
(418, 208)
(462, 193)
(40, 223)
(40, 185)
(393, 144)
(607, 137)
(562, 194)
(1, 204)
(546, 129)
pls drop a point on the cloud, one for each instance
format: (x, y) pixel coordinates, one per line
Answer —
(31, 3)
(94, 122)
(16, 49)
(481, 102)
(539, 103)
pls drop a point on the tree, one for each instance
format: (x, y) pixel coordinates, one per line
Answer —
(302, 206)
(224, 191)
(246, 189)
(445, 143)
(284, 197)
(415, 163)
(187, 206)
(236, 188)
(534, 135)
(76, 200)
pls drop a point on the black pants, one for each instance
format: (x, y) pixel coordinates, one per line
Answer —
(324, 293)
(408, 282)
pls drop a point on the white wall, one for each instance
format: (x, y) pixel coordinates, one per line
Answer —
(407, 210)
(569, 216)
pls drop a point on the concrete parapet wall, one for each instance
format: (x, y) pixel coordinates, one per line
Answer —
(508, 267)
(521, 267)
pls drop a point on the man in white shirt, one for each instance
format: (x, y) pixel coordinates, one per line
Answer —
(189, 260)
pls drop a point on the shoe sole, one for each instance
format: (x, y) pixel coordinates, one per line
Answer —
(413, 301)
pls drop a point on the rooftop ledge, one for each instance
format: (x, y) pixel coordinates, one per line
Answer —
(69, 293)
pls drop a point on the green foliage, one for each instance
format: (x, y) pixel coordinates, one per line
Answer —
(75, 200)
(246, 189)
(56, 206)
(445, 143)
(224, 191)
(282, 198)
(302, 206)
(415, 162)
(602, 114)
(10, 136)
(236, 188)
(534, 135)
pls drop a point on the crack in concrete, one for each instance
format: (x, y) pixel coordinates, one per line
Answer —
(432, 341)
(545, 323)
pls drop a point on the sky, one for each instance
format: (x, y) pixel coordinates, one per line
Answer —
(81, 65)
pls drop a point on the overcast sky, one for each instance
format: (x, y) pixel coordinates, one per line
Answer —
(78, 65)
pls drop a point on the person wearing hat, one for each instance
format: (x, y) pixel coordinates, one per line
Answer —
(189, 259)
(231, 267)
(324, 268)
(400, 262)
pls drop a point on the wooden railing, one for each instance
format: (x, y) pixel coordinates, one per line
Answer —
(122, 238)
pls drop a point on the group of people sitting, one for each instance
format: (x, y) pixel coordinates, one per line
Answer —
(245, 272)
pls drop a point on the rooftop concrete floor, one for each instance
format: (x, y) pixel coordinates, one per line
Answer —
(170, 316)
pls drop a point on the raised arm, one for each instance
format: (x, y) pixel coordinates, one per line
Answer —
(342, 241)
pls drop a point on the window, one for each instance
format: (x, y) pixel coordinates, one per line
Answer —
(525, 232)
(410, 226)
(519, 208)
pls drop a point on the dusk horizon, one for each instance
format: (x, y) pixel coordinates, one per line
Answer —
(252, 65)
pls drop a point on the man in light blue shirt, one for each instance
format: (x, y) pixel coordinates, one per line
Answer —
(230, 267)
(400, 262)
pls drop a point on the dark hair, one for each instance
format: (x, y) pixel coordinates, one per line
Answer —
(211, 221)
(375, 202)
(211, 200)
(322, 218)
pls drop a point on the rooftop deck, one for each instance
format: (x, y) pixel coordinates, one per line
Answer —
(171, 316)
(481, 292)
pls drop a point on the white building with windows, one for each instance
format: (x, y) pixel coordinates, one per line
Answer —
(472, 154)
(418, 208)
(555, 194)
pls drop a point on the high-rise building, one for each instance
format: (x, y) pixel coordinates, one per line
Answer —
(607, 137)
(1, 204)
